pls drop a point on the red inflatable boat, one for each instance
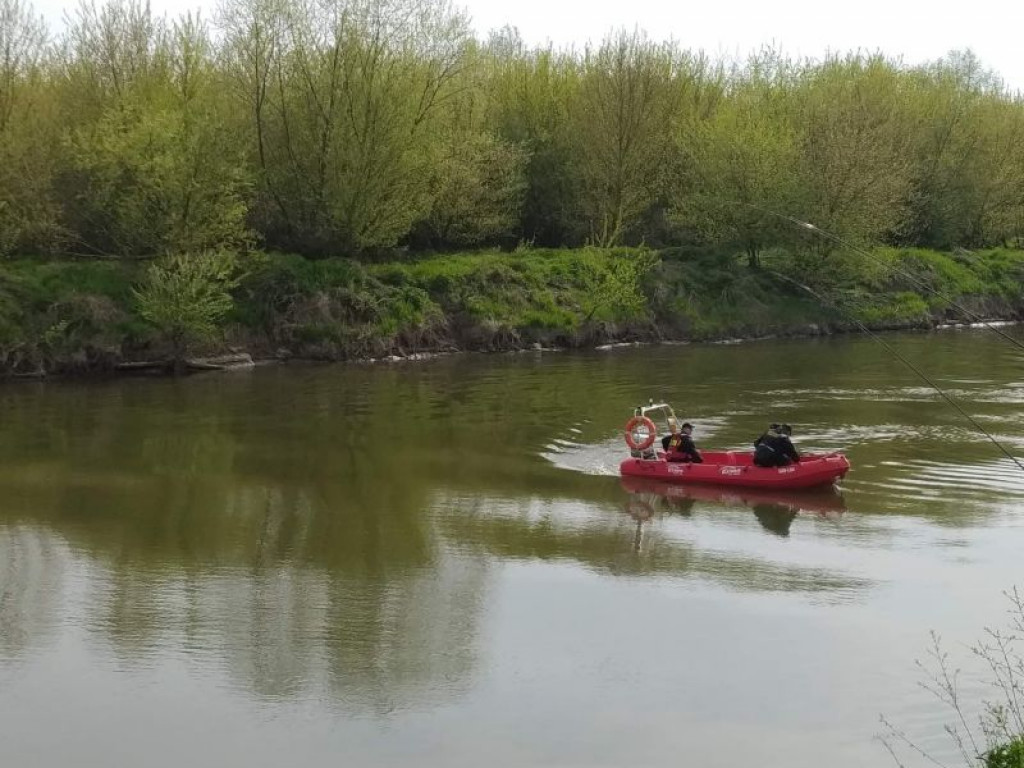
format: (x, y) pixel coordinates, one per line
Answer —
(732, 468)
(735, 468)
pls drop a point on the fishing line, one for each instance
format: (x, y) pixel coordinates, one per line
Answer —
(974, 317)
(923, 376)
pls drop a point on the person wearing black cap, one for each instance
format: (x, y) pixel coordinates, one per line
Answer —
(679, 446)
(774, 448)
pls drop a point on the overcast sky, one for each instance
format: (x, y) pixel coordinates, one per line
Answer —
(917, 30)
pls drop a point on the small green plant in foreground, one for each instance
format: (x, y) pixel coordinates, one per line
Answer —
(1006, 755)
(995, 739)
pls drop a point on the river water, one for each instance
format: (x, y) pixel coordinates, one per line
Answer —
(436, 564)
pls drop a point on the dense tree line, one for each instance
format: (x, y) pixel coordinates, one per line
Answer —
(331, 127)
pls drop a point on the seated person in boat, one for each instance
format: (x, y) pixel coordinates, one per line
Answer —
(774, 448)
(679, 445)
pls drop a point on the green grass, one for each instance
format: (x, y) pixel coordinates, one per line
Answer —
(80, 315)
(73, 312)
(542, 289)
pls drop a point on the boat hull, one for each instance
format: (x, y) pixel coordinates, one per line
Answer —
(736, 469)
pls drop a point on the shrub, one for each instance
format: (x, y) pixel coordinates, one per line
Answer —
(185, 297)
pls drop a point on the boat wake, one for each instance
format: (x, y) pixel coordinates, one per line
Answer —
(997, 481)
(570, 451)
(601, 458)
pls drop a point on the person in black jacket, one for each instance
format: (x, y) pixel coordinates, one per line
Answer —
(679, 446)
(774, 448)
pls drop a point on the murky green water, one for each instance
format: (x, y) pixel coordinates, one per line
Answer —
(435, 564)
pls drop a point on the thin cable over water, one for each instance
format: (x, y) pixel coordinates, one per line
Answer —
(921, 374)
(921, 284)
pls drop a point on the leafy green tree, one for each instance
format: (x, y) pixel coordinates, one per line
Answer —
(855, 142)
(345, 95)
(742, 161)
(528, 96)
(477, 180)
(621, 122)
(614, 281)
(28, 214)
(954, 150)
(350, 126)
(185, 298)
(150, 169)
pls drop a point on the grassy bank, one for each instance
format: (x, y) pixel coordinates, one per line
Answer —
(60, 317)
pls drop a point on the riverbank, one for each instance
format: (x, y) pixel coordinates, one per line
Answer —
(66, 317)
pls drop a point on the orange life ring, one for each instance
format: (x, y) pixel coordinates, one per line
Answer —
(632, 425)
